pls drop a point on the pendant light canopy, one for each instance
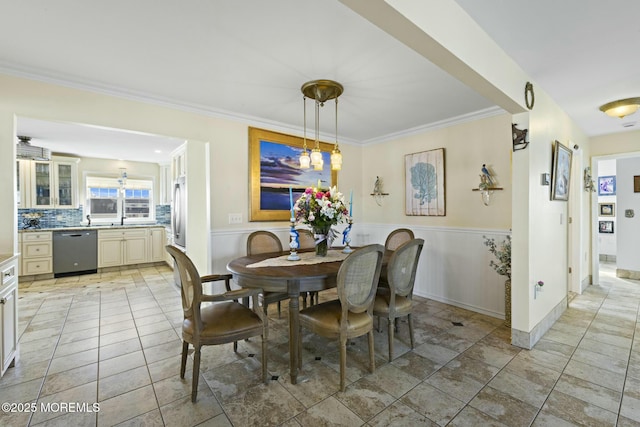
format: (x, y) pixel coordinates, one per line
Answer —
(320, 91)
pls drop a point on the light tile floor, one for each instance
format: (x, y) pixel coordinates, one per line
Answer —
(113, 339)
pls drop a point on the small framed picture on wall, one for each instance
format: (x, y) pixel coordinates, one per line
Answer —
(606, 186)
(606, 209)
(606, 226)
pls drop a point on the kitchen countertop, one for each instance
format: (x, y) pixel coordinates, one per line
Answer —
(93, 227)
(6, 257)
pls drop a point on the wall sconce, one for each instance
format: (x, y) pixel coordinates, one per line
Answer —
(519, 136)
(621, 107)
(487, 185)
(589, 184)
(377, 191)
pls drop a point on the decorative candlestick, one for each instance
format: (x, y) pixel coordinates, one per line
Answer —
(294, 243)
(346, 239)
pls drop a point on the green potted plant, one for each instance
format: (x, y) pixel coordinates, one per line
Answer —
(502, 266)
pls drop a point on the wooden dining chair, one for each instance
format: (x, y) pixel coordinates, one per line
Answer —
(398, 237)
(394, 298)
(262, 242)
(351, 315)
(307, 241)
(224, 321)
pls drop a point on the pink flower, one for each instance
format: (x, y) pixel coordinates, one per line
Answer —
(319, 195)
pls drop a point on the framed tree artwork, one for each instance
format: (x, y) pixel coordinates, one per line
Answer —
(424, 183)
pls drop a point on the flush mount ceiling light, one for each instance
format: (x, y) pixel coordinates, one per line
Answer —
(621, 108)
(320, 91)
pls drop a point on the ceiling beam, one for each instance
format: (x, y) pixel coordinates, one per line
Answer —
(443, 33)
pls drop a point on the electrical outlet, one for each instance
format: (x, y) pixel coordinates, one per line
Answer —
(235, 218)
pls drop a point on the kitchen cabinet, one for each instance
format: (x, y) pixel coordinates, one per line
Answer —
(37, 253)
(166, 184)
(8, 312)
(48, 184)
(156, 245)
(22, 182)
(179, 162)
(122, 247)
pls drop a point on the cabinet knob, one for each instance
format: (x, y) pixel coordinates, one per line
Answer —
(2, 301)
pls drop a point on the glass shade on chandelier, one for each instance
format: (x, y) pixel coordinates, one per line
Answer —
(305, 159)
(320, 91)
(316, 158)
(336, 159)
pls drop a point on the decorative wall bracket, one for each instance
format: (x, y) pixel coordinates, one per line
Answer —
(377, 191)
(487, 185)
(519, 136)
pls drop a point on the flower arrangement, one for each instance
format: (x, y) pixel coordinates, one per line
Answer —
(502, 252)
(320, 209)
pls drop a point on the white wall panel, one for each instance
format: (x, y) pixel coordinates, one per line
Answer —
(454, 265)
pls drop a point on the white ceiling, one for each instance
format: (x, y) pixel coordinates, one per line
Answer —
(247, 60)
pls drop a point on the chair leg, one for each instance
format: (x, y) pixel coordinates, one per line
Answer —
(304, 299)
(410, 321)
(279, 310)
(235, 346)
(343, 361)
(196, 374)
(183, 364)
(264, 358)
(372, 355)
(391, 328)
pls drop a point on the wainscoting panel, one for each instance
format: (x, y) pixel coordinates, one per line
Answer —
(454, 266)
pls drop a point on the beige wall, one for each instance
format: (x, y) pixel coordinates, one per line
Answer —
(106, 167)
(227, 145)
(466, 146)
(626, 142)
(541, 249)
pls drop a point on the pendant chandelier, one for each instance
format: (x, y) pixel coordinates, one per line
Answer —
(320, 91)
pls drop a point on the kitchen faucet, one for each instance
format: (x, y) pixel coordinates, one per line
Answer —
(122, 218)
(89, 219)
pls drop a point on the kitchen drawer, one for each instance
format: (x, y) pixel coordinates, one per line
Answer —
(36, 266)
(36, 236)
(123, 234)
(37, 249)
(8, 275)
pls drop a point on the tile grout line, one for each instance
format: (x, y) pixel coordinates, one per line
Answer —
(626, 374)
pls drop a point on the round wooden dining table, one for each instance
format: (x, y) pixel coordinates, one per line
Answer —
(293, 277)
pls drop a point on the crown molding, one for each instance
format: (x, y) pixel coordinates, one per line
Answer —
(117, 92)
(465, 118)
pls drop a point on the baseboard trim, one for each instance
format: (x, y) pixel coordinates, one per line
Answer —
(528, 339)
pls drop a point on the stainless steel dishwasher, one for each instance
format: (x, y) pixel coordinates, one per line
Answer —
(75, 252)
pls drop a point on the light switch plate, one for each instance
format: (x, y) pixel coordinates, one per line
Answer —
(235, 218)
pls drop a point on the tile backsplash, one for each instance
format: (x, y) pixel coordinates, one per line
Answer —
(57, 218)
